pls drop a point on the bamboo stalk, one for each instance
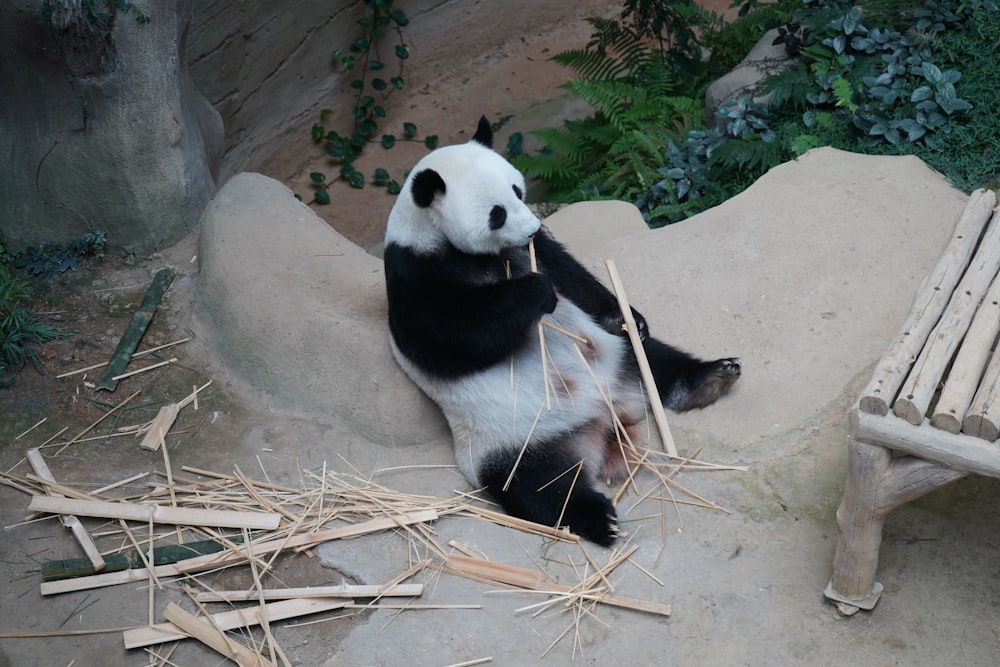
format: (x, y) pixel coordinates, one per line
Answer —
(541, 333)
(156, 513)
(41, 468)
(144, 369)
(640, 355)
(237, 556)
(136, 328)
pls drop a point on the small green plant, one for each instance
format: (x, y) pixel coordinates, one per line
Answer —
(20, 330)
(372, 87)
(48, 259)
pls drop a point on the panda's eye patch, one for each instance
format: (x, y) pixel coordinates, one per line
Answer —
(498, 216)
(517, 191)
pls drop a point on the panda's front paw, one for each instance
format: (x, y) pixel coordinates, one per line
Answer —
(542, 291)
(614, 323)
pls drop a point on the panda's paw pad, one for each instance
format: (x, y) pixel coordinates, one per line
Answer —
(593, 517)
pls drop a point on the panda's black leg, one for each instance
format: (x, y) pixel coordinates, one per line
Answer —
(539, 489)
(685, 382)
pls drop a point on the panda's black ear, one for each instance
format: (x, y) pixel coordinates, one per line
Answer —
(427, 184)
(484, 133)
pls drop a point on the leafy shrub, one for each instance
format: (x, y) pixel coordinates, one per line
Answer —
(615, 152)
(49, 259)
(20, 330)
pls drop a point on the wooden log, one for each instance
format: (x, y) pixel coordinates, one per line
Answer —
(969, 364)
(214, 637)
(659, 416)
(41, 469)
(237, 556)
(926, 374)
(230, 620)
(157, 513)
(951, 450)
(136, 328)
(341, 591)
(931, 297)
(983, 417)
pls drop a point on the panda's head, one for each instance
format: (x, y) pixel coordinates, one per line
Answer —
(466, 195)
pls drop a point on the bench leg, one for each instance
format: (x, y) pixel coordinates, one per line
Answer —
(876, 484)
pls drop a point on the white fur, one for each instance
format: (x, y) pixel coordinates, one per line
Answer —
(497, 408)
(477, 179)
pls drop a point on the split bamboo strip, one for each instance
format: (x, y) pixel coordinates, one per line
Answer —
(156, 513)
(137, 355)
(213, 637)
(640, 354)
(522, 524)
(236, 556)
(521, 577)
(933, 293)
(341, 591)
(144, 369)
(917, 391)
(969, 364)
(229, 620)
(93, 554)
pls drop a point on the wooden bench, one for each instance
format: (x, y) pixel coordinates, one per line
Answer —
(941, 378)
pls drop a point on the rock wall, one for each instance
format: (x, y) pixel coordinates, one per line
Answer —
(102, 127)
(268, 69)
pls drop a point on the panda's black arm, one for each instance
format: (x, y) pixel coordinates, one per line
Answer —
(579, 285)
(450, 325)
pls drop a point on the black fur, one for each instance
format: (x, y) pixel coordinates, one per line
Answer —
(427, 185)
(453, 313)
(484, 133)
(545, 476)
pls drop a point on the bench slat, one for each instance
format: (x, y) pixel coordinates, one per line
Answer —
(932, 296)
(928, 370)
(970, 362)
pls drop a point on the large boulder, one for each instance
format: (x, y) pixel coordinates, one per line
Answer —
(102, 126)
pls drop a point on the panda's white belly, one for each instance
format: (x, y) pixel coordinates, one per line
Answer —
(506, 404)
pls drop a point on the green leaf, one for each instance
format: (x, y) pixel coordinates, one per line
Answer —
(409, 129)
(378, 111)
(399, 16)
(358, 84)
(394, 188)
(388, 141)
(379, 84)
(402, 51)
(380, 175)
(397, 82)
(317, 132)
(317, 177)
(431, 141)
(357, 180)
(366, 101)
(376, 65)
(322, 196)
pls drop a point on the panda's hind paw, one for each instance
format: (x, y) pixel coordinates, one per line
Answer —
(713, 380)
(592, 516)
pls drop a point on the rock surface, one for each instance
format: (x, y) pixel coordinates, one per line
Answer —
(106, 131)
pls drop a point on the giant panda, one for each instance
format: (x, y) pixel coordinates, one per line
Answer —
(464, 312)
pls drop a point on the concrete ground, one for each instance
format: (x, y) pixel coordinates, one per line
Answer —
(805, 276)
